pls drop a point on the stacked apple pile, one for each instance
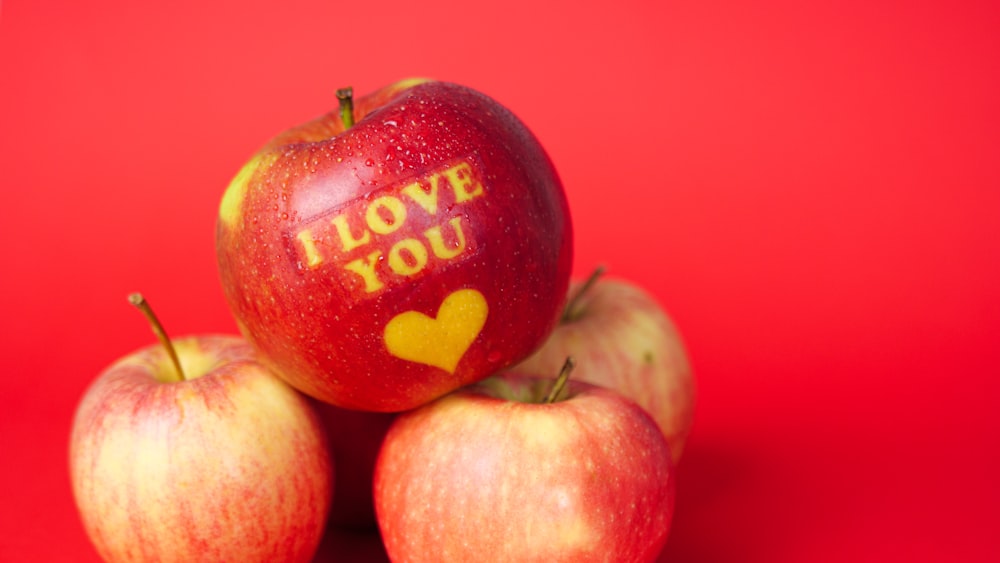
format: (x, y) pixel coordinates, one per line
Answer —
(414, 357)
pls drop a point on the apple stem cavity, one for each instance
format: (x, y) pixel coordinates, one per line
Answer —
(560, 382)
(140, 302)
(346, 98)
(570, 313)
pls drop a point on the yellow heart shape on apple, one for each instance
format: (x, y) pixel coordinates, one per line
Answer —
(440, 341)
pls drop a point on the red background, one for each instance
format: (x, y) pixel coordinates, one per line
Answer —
(811, 189)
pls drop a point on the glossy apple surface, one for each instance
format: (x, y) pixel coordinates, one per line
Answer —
(488, 474)
(379, 266)
(622, 338)
(228, 465)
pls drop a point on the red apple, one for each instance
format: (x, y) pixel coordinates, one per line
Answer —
(355, 439)
(196, 452)
(379, 263)
(493, 473)
(623, 339)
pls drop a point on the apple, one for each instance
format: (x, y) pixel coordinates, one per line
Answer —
(378, 256)
(355, 438)
(191, 450)
(622, 338)
(494, 472)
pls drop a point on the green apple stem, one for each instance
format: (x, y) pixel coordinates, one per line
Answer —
(139, 301)
(346, 98)
(570, 311)
(561, 381)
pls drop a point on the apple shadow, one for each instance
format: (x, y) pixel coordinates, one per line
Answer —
(711, 523)
(360, 546)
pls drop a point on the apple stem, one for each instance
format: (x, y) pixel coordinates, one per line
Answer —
(139, 301)
(561, 381)
(346, 98)
(569, 312)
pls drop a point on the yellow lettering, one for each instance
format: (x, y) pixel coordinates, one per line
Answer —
(313, 258)
(429, 201)
(378, 246)
(436, 239)
(346, 237)
(365, 267)
(401, 265)
(378, 223)
(463, 182)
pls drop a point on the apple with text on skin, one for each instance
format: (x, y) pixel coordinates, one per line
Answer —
(496, 472)
(192, 451)
(378, 256)
(624, 340)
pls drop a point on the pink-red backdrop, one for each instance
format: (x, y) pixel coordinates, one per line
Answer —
(812, 190)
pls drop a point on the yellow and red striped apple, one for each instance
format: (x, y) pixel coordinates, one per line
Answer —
(623, 339)
(492, 472)
(224, 463)
(379, 256)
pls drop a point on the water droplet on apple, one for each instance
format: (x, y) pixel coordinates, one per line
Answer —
(369, 162)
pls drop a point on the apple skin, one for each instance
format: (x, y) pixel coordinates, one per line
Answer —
(355, 438)
(229, 465)
(476, 476)
(624, 340)
(379, 267)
